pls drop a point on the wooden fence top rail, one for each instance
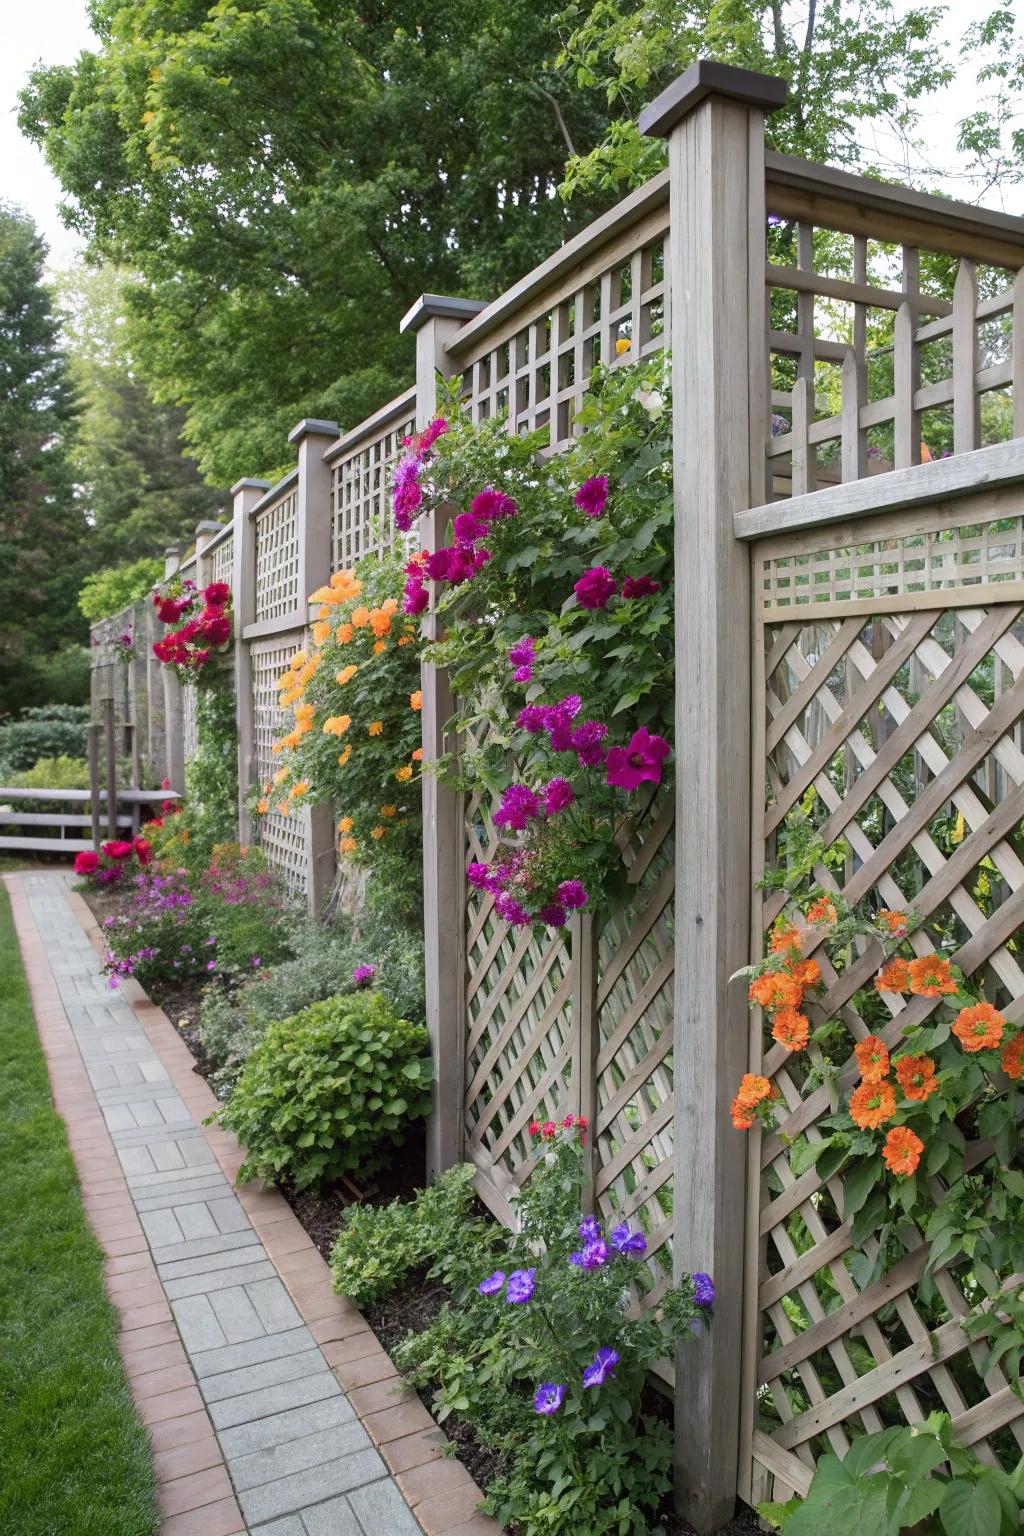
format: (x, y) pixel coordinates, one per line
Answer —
(985, 469)
(402, 405)
(123, 796)
(276, 493)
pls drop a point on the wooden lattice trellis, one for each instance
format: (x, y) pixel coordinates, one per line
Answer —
(284, 839)
(277, 556)
(904, 717)
(362, 519)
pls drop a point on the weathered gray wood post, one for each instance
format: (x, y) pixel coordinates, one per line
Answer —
(245, 494)
(434, 320)
(206, 531)
(713, 119)
(174, 745)
(313, 511)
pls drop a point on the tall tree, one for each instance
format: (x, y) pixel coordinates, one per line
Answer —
(42, 525)
(287, 176)
(140, 491)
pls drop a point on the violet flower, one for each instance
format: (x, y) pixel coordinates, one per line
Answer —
(638, 763)
(703, 1289)
(493, 1284)
(590, 1227)
(625, 1241)
(597, 1372)
(520, 1286)
(549, 1397)
(362, 975)
(592, 1255)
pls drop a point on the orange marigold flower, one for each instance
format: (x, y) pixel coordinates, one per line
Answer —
(378, 833)
(979, 1028)
(893, 922)
(379, 646)
(360, 617)
(348, 845)
(263, 806)
(302, 729)
(806, 972)
(916, 1076)
(343, 759)
(417, 756)
(1012, 1059)
(416, 699)
(930, 976)
(337, 725)
(303, 711)
(284, 808)
(375, 728)
(345, 675)
(380, 623)
(791, 1029)
(902, 1151)
(403, 774)
(753, 1088)
(894, 977)
(821, 911)
(742, 1121)
(872, 1104)
(405, 639)
(343, 634)
(785, 940)
(389, 810)
(345, 824)
(320, 631)
(872, 1058)
(299, 788)
(276, 747)
(776, 989)
(281, 775)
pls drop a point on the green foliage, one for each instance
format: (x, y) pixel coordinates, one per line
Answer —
(905, 1479)
(53, 773)
(596, 1465)
(42, 525)
(382, 1248)
(211, 774)
(46, 731)
(309, 251)
(846, 65)
(104, 593)
(328, 1091)
(74, 1457)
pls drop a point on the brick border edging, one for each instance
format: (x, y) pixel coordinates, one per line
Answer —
(187, 1461)
(438, 1488)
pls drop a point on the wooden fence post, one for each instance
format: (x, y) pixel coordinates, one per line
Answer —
(245, 494)
(434, 320)
(313, 514)
(713, 119)
(174, 744)
(206, 531)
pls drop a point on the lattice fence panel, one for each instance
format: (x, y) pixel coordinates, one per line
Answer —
(284, 839)
(277, 559)
(222, 560)
(360, 489)
(907, 725)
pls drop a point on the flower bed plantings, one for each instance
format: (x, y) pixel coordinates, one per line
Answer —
(118, 859)
(329, 1091)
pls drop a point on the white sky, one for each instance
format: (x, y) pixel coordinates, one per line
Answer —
(56, 31)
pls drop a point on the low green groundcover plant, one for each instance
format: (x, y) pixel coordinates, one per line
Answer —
(329, 1091)
(905, 1479)
(73, 1454)
(537, 1349)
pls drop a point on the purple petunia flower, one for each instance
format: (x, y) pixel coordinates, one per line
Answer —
(703, 1289)
(362, 975)
(521, 658)
(493, 1284)
(590, 1228)
(549, 1397)
(592, 1256)
(593, 495)
(625, 1241)
(586, 741)
(478, 874)
(571, 894)
(256, 962)
(510, 910)
(211, 965)
(600, 1368)
(595, 587)
(552, 914)
(558, 796)
(519, 805)
(520, 1286)
(638, 763)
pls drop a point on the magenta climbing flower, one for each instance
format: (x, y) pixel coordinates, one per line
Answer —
(587, 742)
(625, 1241)
(510, 910)
(558, 796)
(466, 525)
(703, 1289)
(549, 1397)
(489, 504)
(493, 1284)
(519, 805)
(600, 1368)
(521, 657)
(640, 586)
(595, 587)
(416, 598)
(362, 975)
(592, 495)
(572, 895)
(478, 875)
(638, 763)
(520, 1286)
(552, 915)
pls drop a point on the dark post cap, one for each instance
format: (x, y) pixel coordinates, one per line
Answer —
(249, 485)
(436, 305)
(706, 77)
(310, 426)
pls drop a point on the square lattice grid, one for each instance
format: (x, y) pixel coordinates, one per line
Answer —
(284, 839)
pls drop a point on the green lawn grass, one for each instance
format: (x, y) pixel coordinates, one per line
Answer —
(73, 1455)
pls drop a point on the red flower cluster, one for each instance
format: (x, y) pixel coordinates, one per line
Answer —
(207, 627)
(549, 1129)
(113, 859)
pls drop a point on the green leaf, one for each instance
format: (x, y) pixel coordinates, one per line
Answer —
(971, 1509)
(860, 1180)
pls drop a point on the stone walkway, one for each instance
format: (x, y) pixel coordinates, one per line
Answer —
(271, 1406)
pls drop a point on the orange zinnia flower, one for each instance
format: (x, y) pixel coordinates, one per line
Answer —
(894, 922)
(740, 1119)
(348, 845)
(785, 940)
(776, 989)
(791, 1029)
(379, 646)
(320, 631)
(930, 976)
(417, 756)
(916, 1076)
(416, 699)
(872, 1104)
(375, 728)
(806, 972)
(343, 634)
(753, 1088)
(345, 675)
(360, 617)
(979, 1028)
(872, 1059)
(902, 1151)
(1012, 1059)
(894, 977)
(380, 623)
(821, 911)
(345, 824)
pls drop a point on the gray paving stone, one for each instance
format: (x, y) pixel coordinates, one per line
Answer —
(267, 1373)
(197, 1324)
(274, 1305)
(172, 1109)
(135, 1160)
(119, 1118)
(197, 1224)
(279, 1428)
(150, 1181)
(228, 1214)
(314, 1450)
(130, 1072)
(269, 1346)
(380, 1507)
(197, 1152)
(272, 1401)
(291, 1525)
(160, 1227)
(336, 1518)
(166, 1155)
(190, 1192)
(170, 1253)
(103, 1076)
(289, 1494)
(154, 1071)
(220, 1280)
(237, 1316)
(213, 1263)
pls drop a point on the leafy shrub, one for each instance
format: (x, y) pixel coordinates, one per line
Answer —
(211, 775)
(106, 592)
(548, 1367)
(905, 1479)
(380, 1248)
(53, 773)
(50, 730)
(325, 1090)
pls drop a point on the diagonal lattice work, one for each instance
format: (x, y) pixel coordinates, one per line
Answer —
(362, 519)
(284, 839)
(901, 731)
